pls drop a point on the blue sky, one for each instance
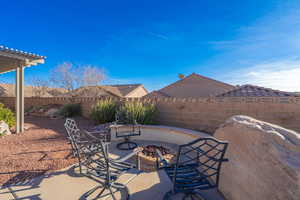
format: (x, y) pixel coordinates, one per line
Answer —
(151, 42)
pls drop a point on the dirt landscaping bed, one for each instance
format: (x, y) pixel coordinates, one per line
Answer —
(41, 148)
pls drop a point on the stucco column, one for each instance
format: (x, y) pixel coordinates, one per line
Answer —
(19, 99)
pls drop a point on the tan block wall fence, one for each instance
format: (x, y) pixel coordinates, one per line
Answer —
(204, 114)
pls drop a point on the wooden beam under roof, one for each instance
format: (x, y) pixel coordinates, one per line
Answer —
(12, 59)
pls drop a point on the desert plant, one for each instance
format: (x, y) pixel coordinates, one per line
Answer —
(7, 116)
(70, 110)
(137, 111)
(104, 111)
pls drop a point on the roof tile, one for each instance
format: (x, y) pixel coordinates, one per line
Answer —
(255, 91)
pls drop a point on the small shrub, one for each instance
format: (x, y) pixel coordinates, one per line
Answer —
(70, 110)
(104, 111)
(137, 111)
(7, 116)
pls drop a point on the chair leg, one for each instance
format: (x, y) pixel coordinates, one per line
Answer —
(112, 194)
(101, 192)
(91, 191)
(187, 196)
(168, 195)
(194, 196)
(79, 163)
(118, 188)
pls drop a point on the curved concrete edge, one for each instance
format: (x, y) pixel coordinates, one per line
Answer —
(163, 133)
(173, 129)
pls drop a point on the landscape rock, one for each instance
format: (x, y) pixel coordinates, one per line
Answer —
(52, 112)
(264, 160)
(4, 128)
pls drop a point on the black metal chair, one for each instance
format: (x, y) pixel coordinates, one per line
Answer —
(134, 130)
(105, 170)
(197, 167)
(81, 145)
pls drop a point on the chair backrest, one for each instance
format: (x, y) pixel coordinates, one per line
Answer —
(72, 128)
(74, 134)
(124, 120)
(206, 154)
(93, 149)
(99, 160)
(120, 118)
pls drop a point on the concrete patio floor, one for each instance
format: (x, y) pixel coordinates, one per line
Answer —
(70, 184)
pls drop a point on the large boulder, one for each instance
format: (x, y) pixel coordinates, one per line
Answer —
(52, 113)
(4, 128)
(264, 160)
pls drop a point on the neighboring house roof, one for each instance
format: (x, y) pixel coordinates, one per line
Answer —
(8, 90)
(255, 91)
(194, 85)
(127, 89)
(105, 90)
(156, 94)
(94, 91)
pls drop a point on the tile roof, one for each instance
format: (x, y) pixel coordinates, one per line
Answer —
(156, 94)
(194, 85)
(209, 79)
(94, 91)
(8, 90)
(255, 91)
(125, 89)
(104, 90)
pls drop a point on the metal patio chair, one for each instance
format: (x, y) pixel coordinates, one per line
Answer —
(106, 171)
(81, 146)
(197, 167)
(135, 130)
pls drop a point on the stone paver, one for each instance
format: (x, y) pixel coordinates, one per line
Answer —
(151, 185)
(5, 194)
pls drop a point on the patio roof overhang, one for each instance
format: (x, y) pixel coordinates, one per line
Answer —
(10, 60)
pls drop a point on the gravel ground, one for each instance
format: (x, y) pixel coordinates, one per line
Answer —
(42, 147)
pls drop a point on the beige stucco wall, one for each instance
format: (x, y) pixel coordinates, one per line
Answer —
(203, 114)
(207, 114)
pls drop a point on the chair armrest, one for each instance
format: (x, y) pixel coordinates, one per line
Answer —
(135, 151)
(218, 159)
(90, 136)
(162, 161)
(94, 132)
(83, 142)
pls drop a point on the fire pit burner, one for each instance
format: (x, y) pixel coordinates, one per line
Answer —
(148, 158)
(150, 150)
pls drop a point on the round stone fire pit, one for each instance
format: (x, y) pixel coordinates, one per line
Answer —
(148, 158)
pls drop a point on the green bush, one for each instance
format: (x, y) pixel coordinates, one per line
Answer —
(137, 111)
(104, 111)
(7, 116)
(70, 110)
